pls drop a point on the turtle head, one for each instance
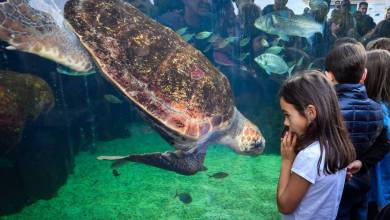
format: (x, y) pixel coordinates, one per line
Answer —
(244, 137)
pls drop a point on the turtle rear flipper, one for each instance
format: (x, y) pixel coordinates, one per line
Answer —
(33, 31)
(186, 163)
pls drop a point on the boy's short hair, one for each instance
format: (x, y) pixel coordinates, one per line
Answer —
(347, 62)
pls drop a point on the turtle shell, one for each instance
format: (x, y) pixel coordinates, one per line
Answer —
(170, 81)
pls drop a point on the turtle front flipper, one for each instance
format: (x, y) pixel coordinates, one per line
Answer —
(186, 163)
(38, 32)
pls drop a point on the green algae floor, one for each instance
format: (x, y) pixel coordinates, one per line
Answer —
(143, 192)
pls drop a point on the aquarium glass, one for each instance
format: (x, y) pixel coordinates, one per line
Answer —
(115, 109)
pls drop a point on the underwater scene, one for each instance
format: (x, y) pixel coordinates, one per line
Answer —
(164, 109)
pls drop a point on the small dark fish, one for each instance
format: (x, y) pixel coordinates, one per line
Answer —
(184, 197)
(219, 175)
(115, 173)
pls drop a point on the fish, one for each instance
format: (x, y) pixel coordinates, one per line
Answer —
(274, 50)
(219, 175)
(184, 197)
(203, 35)
(292, 25)
(243, 56)
(112, 99)
(213, 38)
(232, 39)
(226, 42)
(115, 173)
(272, 63)
(244, 41)
(182, 31)
(188, 37)
(222, 59)
(69, 72)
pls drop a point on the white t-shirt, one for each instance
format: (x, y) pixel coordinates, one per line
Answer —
(322, 199)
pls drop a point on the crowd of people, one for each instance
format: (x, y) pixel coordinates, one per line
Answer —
(335, 161)
(232, 41)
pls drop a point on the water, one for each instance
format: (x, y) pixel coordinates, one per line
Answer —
(52, 170)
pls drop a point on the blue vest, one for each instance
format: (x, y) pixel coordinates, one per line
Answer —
(362, 116)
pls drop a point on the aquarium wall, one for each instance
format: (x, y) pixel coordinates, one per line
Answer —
(164, 109)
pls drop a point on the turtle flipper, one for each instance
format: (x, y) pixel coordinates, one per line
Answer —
(38, 32)
(186, 163)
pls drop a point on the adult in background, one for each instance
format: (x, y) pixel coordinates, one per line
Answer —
(278, 7)
(348, 22)
(364, 22)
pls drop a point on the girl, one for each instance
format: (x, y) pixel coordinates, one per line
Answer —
(378, 89)
(315, 150)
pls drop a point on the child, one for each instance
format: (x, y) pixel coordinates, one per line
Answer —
(315, 150)
(378, 89)
(345, 67)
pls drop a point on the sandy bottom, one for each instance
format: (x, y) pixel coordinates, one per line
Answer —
(143, 192)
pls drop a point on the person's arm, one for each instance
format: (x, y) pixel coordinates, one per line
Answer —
(291, 187)
(377, 151)
(375, 154)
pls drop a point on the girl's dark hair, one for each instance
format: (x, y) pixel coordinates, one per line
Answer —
(380, 43)
(312, 88)
(378, 75)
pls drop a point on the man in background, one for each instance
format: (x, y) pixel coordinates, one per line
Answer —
(364, 22)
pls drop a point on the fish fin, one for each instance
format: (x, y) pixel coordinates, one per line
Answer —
(267, 71)
(118, 160)
(291, 69)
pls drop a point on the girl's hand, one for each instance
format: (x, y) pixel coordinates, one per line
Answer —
(287, 146)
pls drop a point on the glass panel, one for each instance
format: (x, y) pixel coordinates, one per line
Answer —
(154, 86)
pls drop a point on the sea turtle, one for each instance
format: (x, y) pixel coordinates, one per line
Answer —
(174, 87)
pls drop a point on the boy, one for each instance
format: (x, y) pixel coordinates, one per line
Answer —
(345, 67)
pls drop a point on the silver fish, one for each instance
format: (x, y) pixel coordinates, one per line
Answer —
(274, 50)
(244, 42)
(182, 31)
(188, 37)
(272, 63)
(112, 99)
(203, 35)
(291, 25)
